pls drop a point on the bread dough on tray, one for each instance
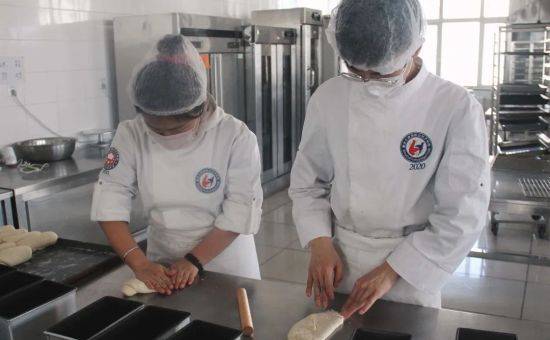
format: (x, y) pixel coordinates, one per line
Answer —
(38, 240)
(15, 255)
(318, 326)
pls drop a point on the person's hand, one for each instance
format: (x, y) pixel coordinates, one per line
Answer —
(325, 271)
(184, 273)
(368, 289)
(155, 276)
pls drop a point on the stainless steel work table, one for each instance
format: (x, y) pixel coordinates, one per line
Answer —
(276, 306)
(83, 168)
(6, 214)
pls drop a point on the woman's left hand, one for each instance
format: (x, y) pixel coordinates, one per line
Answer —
(368, 289)
(183, 273)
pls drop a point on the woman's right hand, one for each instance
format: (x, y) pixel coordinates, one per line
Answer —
(325, 271)
(155, 276)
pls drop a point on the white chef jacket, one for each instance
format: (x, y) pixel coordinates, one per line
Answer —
(210, 180)
(369, 166)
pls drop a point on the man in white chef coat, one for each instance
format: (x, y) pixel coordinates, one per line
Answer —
(197, 170)
(390, 187)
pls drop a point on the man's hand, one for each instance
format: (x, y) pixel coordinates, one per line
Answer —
(325, 271)
(155, 276)
(183, 273)
(368, 289)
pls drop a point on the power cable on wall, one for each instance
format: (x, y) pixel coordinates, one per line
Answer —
(37, 120)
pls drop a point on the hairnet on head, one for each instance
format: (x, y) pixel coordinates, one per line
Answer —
(377, 35)
(171, 80)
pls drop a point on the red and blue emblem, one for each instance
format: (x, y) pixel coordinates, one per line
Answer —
(112, 159)
(207, 180)
(416, 147)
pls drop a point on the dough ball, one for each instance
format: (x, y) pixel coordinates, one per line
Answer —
(38, 240)
(10, 234)
(6, 228)
(135, 286)
(6, 245)
(15, 255)
(318, 326)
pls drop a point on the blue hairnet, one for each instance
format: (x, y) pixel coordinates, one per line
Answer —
(377, 35)
(171, 80)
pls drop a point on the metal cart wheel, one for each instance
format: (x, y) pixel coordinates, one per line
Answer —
(542, 232)
(494, 223)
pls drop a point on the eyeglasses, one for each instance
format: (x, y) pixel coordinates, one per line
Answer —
(388, 81)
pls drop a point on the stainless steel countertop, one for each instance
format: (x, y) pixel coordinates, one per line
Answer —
(276, 306)
(85, 162)
(5, 194)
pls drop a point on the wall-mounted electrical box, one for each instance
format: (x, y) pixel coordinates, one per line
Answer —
(11, 70)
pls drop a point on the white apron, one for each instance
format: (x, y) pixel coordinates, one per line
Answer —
(361, 255)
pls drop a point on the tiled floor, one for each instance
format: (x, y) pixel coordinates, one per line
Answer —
(478, 285)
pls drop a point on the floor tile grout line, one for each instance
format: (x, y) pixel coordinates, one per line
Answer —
(487, 276)
(526, 280)
(271, 257)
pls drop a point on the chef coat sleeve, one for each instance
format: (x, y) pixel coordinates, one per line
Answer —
(242, 204)
(426, 259)
(116, 186)
(311, 179)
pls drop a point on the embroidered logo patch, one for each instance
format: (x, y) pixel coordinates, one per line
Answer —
(111, 161)
(207, 180)
(416, 147)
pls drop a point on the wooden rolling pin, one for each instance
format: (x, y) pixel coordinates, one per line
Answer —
(244, 311)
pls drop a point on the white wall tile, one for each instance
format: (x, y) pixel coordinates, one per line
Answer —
(41, 87)
(47, 113)
(8, 22)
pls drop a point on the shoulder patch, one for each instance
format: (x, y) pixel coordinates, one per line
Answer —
(111, 160)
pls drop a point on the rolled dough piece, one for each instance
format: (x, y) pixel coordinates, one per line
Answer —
(38, 241)
(6, 245)
(15, 238)
(15, 255)
(6, 228)
(135, 286)
(11, 233)
(318, 326)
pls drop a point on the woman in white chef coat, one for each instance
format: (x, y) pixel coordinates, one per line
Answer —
(390, 186)
(197, 170)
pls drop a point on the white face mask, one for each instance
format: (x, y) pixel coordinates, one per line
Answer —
(177, 141)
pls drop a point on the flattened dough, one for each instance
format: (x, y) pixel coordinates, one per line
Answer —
(15, 255)
(4, 237)
(318, 326)
(38, 240)
(135, 286)
(6, 245)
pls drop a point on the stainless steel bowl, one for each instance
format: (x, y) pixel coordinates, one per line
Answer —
(45, 149)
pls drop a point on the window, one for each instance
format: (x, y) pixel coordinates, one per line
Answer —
(460, 38)
(460, 52)
(429, 50)
(462, 9)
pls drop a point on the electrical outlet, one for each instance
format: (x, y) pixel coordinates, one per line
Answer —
(11, 70)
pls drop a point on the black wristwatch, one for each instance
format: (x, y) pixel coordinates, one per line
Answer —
(195, 261)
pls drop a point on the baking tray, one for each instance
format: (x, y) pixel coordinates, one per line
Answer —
(25, 314)
(94, 319)
(372, 334)
(71, 262)
(199, 330)
(5, 269)
(150, 323)
(15, 280)
(476, 334)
